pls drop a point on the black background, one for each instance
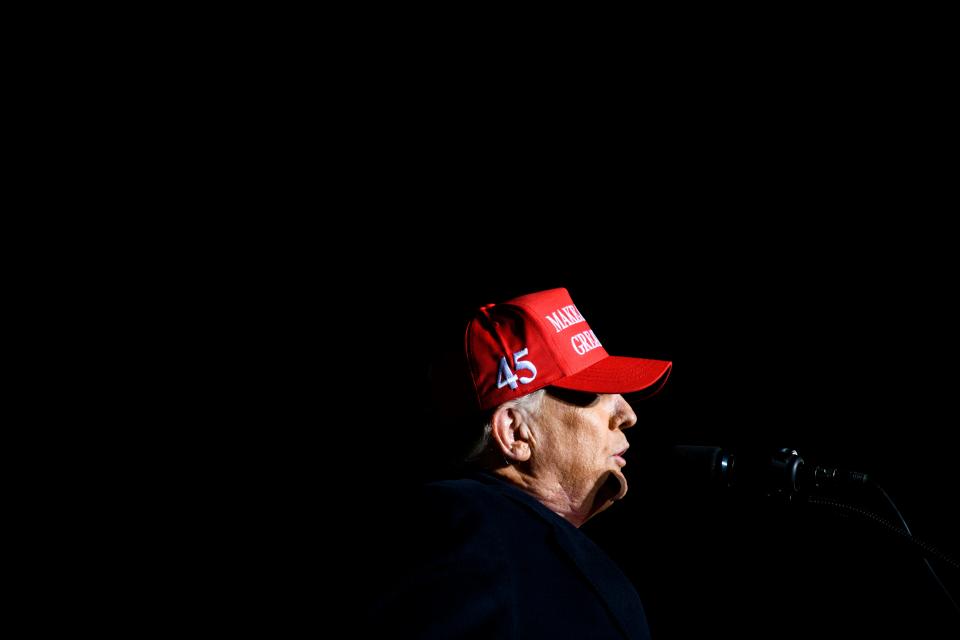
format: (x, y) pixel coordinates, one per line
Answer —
(776, 225)
(797, 272)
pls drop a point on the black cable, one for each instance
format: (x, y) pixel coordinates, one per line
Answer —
(933, 573)
(903, 532)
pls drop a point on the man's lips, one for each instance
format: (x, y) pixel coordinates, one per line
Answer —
(619, 456)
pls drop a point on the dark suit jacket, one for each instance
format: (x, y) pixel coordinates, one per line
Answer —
(488, 561)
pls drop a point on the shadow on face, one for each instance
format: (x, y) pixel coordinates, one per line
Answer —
(576, 398)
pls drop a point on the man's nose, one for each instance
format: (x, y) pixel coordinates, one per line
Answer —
(623, 415)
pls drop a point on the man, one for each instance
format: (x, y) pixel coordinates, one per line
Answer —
(499, 554)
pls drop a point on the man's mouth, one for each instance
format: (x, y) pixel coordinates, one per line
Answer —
(619, 456)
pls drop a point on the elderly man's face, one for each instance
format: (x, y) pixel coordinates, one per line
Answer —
(580, 440)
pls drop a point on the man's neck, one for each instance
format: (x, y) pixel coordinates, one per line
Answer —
(573, 507)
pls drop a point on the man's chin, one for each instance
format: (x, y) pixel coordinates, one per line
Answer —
(612, 488)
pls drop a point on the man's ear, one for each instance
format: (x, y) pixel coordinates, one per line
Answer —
(511, 433)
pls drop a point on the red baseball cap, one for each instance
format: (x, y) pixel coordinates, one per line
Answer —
(541, 339)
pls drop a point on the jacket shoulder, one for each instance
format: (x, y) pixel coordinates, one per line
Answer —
(450, 576)
(466, 503)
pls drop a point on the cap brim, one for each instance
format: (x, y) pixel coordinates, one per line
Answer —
(618, 374)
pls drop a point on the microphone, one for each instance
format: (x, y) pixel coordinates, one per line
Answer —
(780, 472)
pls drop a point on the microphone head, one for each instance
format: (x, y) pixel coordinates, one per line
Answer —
(704, 466)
